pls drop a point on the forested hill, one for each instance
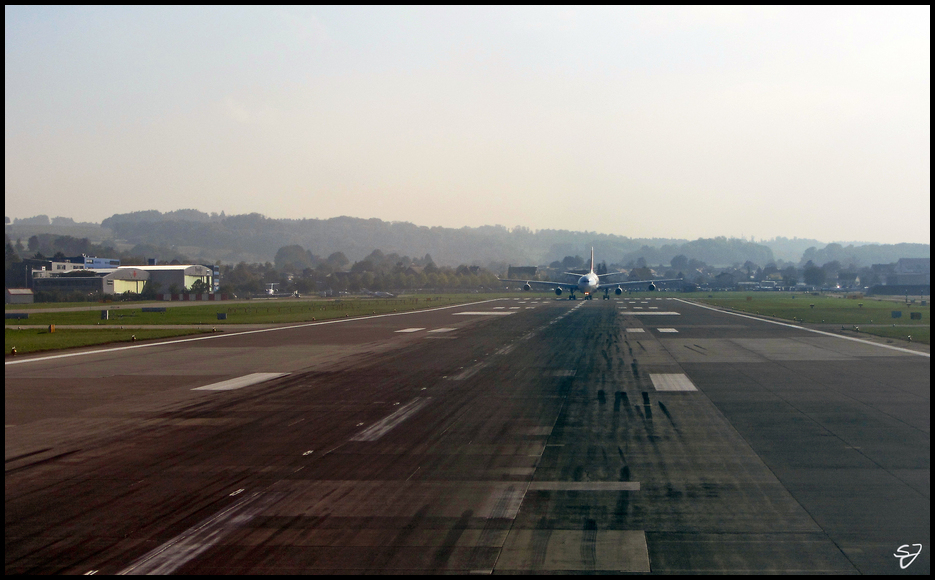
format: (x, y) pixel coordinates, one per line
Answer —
(256, 237)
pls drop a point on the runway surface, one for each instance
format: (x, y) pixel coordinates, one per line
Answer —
(527, 435)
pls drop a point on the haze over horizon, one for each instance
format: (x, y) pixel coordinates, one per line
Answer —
(679, 122)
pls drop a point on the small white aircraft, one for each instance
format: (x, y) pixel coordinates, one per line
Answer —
(590, 283)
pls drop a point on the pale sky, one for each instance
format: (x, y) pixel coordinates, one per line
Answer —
(679, 122)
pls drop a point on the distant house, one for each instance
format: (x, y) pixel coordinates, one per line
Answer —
(19, 296)
(911, 271)
(414, 270)
(522, 272)
(725, 280)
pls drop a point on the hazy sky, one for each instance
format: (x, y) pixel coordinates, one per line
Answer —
(669, 122)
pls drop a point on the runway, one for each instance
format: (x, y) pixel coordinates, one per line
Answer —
(526, 435)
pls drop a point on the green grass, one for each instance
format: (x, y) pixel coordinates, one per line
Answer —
(871, 315)
(920, 334)
(254, 312)
(37, 340)
(41, 305)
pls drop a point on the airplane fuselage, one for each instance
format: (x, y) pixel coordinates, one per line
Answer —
(588, 283)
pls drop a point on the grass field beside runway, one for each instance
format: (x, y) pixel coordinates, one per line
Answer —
(870, 315)
(37, 340)
(253, 312)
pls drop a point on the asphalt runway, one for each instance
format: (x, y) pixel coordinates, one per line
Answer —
(527, 435)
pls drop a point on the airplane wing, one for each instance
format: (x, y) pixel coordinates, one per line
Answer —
(563, 285)
(636, 282)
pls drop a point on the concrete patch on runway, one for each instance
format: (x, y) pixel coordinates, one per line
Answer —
(709, 350)
(574, 551)
(672, 382)
(777, 349)
(241, 382)
(584, 486)
(849, 348)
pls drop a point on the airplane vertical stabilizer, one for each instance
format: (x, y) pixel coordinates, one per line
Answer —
(592, 259)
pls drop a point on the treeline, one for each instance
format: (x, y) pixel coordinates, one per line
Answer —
(298, 270)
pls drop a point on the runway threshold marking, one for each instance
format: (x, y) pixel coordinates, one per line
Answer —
(896, 348)
(216, 336)
(385, 425)
(241, 382)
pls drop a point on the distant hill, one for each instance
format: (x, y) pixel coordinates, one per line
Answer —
(255, 238)
(866, 255)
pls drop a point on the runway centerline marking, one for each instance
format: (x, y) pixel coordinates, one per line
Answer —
(409, 330)
(172, 555)
(385, 425)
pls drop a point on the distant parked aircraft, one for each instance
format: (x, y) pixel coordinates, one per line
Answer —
(590, 283)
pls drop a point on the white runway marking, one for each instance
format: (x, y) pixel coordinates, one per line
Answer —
(385, 425)
(659, 313)
(409, 330)
(241, 382)
(666, 330)
(635, 330)
(482, 313)
(672, 382)
(172, 555)
(442, 330)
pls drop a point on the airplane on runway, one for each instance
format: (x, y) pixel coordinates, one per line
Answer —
(590, 283)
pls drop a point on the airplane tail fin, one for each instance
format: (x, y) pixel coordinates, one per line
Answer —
(592, 259)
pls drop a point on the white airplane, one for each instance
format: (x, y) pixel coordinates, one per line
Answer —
(590, 283)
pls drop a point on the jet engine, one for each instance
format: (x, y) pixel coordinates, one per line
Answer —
(652, 286)
(618, 291)
(527, 287)
(558, 291)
